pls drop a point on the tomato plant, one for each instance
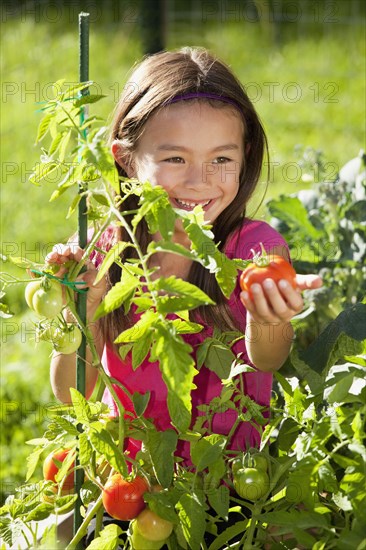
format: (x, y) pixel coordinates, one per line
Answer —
(44, 296)
(123, 498)
(51, 468)
(266, 266)
(251, 483)
(153, 527)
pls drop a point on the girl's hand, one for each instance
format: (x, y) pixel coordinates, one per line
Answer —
(277, 303)
(61, 254)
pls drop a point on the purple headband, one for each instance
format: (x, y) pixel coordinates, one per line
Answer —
(208, 95)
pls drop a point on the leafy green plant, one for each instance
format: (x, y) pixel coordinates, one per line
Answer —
(313, 445)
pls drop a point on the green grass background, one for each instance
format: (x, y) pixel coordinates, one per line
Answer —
(318, 55)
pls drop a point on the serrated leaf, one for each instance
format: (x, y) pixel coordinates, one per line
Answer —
(41, 511)
(85, 450)
(108, 538)
(178, 370)
(103, 443)
(73, 206)
(112, 255)
(206, 451)
(187, 296)
(161, 447)
(43, 126)
(141, 349)
(219, 500)
(341, 337)
(80, 406)
(88, 98)
(219, 359)
(32, 463)
(192, 518)
(116, 296)
(140, 402)
(63, 145)
(143, 325)
(224, 538)
(291, 211)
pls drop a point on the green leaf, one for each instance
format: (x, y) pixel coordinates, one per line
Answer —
(88, 98)
(63, 145)
(177, 367)
(112, 255)
(161, 447)
(216, 262)
(206, 451)
(41, 511)
(219, 358)
(103, 443)
(291, 211)
(117, 295)
(288, 434)
(157, 211)
(188, 296)
(141, 349)
(224, 538)
(219, 500)
(32, 463)
(301, 518)
(163, 504)
(73, 206)
(80, 406)
(192, 518)
(139, 330)
(108, 538)
(85, 450)
(43, 126)
(341, 337)
(173, 248)
(140, 402)
(182, 326)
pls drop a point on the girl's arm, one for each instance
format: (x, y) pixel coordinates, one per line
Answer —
(269, 333)
(63, 367)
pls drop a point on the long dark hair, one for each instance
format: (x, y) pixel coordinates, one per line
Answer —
(155, 81)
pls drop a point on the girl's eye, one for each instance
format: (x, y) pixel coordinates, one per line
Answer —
(221, 160)
(177, 160)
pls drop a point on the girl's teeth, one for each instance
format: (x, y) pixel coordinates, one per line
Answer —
(192, 204)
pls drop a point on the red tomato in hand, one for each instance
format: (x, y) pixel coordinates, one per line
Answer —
(123, 498)
(50, 468)
(267, 267)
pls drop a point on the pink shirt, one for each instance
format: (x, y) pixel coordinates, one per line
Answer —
(147, 377)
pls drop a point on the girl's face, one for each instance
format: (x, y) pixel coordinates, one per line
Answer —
(195, 152)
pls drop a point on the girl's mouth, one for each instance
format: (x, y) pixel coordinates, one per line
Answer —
(185, 204)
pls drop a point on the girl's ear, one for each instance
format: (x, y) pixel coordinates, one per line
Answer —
(122, 158)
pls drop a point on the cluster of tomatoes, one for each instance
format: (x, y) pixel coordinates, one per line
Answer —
(123, 498)
(45, 297)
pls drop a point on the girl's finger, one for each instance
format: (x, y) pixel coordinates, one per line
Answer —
(308, 281)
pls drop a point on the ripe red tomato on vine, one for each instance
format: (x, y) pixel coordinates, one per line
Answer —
(50, 468)
(123, 498)
(264, 267)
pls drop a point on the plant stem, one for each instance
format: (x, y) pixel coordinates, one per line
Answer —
(81, 532)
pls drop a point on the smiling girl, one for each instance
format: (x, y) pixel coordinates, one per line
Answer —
(190, 127)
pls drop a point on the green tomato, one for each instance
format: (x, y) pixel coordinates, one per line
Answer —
(237, 464)
(260, 462)
(251, 483)
(69, 340)
(139, 542)
(44, 296)
(153, 527)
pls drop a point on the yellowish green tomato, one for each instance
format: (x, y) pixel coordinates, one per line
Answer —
(153, 527)
(44, 296)
(139, 542)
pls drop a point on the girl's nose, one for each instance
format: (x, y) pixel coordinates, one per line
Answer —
(200, 175)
